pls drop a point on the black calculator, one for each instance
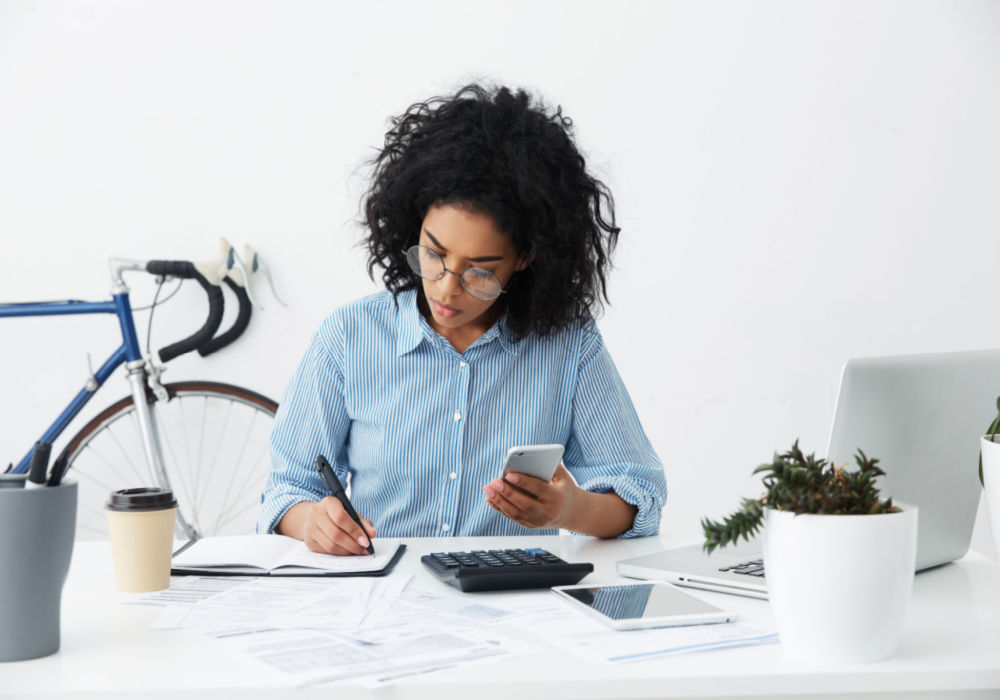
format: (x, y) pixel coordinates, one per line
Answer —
(504, 569)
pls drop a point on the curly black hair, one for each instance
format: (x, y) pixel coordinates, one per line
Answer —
(494, 152)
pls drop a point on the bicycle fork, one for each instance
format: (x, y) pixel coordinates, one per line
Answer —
(151, 437)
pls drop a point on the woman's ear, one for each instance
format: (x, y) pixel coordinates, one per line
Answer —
(525, 260)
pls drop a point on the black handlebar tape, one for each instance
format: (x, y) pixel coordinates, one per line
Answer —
(236, 330)
(185, 269)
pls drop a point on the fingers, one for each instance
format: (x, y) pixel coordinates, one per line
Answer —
(331, 530)
(562, 474)
(522, 500)
(369, 527)
(504, 507)
(529, 484)
(515, 504)
(531, 501)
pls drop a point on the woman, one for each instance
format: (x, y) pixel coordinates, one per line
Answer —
(493, 240)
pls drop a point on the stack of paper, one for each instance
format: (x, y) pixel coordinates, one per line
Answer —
(566, 628)
(365, 630)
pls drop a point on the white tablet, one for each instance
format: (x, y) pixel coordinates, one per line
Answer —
(640, 605)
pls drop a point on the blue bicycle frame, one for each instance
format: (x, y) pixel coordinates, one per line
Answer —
(128, 352)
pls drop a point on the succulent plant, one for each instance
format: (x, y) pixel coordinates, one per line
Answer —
(802, 483)
(991, 433)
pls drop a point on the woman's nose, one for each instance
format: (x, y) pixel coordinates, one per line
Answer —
(451, 283)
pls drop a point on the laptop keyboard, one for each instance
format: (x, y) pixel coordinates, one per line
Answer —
(750, 568)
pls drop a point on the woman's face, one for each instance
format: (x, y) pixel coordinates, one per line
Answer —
(464, 239)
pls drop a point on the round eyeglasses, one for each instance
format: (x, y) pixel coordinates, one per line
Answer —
(478, 282)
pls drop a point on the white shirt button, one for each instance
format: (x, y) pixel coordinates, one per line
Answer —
(453, 475)
(458, 416)
(463, 364)
(445, 527)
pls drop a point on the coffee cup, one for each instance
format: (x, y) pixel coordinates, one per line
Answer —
(141, 524)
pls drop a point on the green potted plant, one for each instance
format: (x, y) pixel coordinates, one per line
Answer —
(989, 475)
(839, 559)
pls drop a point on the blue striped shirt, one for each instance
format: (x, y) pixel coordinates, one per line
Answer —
(417, 429)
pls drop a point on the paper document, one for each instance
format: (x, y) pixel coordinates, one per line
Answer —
(566, 628)
(186, 590)
(275, 602)
(308, 657)
(277, 555)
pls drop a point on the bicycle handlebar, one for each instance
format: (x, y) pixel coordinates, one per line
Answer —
(240, 325)
(203, 336)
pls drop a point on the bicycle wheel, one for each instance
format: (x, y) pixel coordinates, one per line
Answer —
(214, 439)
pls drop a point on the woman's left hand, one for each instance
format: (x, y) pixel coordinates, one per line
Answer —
(536, 503)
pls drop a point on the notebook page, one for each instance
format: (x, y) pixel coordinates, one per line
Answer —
(300, 556)
(262, 551)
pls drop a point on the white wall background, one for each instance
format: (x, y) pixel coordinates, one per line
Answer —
(797, 183)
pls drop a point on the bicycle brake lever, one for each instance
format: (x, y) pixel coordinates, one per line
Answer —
(234, 260)
(257, 266)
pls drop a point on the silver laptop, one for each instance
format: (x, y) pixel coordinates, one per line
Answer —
(922, 416)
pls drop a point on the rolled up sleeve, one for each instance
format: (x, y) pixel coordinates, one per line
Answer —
(311, 420)
(608, 449)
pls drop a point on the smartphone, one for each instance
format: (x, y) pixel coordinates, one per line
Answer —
(539, 461)
(643, 605)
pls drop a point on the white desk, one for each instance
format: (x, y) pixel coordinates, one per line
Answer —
(951, 647)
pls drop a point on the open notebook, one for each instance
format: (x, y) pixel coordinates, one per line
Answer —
(277, 555)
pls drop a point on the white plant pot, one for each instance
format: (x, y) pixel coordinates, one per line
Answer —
(991, 480)
(840, 585)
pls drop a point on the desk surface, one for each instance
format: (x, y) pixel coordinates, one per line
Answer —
(951, 644)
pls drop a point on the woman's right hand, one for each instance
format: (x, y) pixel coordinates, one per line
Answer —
(326, 527)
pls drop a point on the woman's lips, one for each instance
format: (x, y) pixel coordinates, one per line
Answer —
(444, 311)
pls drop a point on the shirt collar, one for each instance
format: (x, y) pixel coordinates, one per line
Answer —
(413, 328)
(411, 323)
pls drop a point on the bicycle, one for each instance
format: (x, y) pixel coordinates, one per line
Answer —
(173, 426)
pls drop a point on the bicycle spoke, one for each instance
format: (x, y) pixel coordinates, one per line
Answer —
(236, 467)
(183, 491)
(213, 465)
(214, 444)
(192, 495)
(95, 515)
(121, 450)
(91, 528)
(199, 467)
(247, 487)
(93, 451)
(242, 510)
(94, 480)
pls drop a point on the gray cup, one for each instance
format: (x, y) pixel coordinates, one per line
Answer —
(36, 544)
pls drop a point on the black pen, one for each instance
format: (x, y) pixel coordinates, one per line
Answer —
(39, 465)
(337, 491)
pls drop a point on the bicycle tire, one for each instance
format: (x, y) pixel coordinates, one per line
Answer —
(218, 500)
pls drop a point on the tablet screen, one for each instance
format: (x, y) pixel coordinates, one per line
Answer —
(639, 601)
